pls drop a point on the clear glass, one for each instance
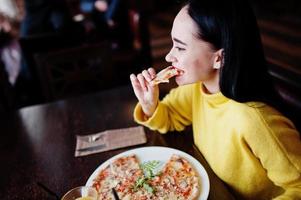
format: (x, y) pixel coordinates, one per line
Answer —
(81, 193)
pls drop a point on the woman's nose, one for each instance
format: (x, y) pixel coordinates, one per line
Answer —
(169, 57)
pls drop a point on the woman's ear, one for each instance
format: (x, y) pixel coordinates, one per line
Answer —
(218, 59)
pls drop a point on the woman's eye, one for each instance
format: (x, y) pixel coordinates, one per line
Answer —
(180, 49)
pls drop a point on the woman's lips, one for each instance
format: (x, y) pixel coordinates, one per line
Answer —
(180, 71)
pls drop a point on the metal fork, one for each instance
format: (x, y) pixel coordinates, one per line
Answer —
(116, 197)
(93, 138)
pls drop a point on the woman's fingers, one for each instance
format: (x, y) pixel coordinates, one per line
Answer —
(134, 81)
(136, 85)
(147, 94)
(152, 73)
(146, 75)
(142, 82)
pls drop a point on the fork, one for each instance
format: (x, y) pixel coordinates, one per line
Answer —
(115, 194)
(93, 138)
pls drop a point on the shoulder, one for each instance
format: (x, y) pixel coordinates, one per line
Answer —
(257, 117)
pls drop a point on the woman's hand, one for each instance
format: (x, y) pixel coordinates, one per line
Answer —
(147, 94)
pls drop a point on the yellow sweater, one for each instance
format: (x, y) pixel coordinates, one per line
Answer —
(250, 146)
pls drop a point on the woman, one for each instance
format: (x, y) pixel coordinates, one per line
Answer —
(226, 95)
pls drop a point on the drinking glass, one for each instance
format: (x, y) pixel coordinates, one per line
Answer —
(81, 193)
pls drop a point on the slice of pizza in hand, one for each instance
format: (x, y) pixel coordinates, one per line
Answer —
(164, 75)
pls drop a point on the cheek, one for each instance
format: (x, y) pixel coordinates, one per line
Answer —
(201, 68)
(196, 66)
(192, 71)
(203, 60)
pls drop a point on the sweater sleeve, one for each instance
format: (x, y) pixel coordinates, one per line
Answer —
(173, 113)
(276, 143)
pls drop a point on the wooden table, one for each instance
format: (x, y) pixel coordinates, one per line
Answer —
(37, 144)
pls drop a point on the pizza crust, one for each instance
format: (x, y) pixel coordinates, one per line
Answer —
(164, 75)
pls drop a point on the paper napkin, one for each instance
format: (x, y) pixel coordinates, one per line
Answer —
(109, 140)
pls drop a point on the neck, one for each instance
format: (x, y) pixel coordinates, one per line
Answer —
(212, 86)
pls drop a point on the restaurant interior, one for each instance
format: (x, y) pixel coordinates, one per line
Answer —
(61, 50)
(74, 56)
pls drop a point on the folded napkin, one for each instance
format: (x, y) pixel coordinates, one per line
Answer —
(108, 140)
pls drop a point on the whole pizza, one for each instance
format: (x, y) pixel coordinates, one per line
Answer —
(130, 180)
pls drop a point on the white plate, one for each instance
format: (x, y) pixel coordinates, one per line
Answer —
(161, 154)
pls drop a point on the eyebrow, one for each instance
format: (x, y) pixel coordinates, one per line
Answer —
(179, 41)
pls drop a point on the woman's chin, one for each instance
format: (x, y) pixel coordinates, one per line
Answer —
(180, 81)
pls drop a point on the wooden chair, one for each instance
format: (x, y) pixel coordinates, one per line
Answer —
(288, 86)
(74, 71)
(29, 89)
(40, 43)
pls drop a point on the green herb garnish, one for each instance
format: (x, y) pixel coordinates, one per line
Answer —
(148, 169)
(148, 188)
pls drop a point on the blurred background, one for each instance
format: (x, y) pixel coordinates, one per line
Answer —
(57, 49)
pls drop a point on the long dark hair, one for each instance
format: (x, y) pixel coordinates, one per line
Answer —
(231, 25)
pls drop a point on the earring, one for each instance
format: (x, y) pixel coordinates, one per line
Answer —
(217, 65)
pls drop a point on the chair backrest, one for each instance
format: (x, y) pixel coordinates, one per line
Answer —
(74, 71)
(288, 86)
(39, 43)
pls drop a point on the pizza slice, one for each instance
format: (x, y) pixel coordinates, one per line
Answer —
(178, 180)
(164, 75)
(121, 174)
